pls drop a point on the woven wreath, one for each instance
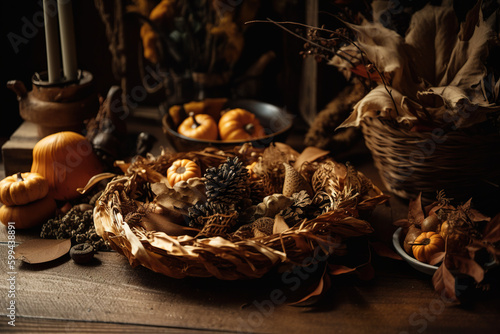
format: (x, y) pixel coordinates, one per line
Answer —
(252, 210)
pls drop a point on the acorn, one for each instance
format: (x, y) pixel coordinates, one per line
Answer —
(294, 182)
(261, 227)
(82, 253)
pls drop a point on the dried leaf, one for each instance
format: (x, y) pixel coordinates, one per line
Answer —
(95, 180)
(431, 54)
(379, 104)
(415, 211)
(431, 37)
(491, 231)
(444, 282)
(160, 223)
(469, 267)
(42, 250)
(361, 70)
(466, 65)
(279, 224)
(387, 50)
(309, 154)
(404, 222)
(182, 196)
(338, 269)
(453, 104)
(471, 20)
(322, 285)
(437, 258)
(477, 216)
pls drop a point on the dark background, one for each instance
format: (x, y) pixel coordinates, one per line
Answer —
(94, 55)
(280, 84)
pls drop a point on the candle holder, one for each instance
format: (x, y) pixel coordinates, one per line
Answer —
(56, 107)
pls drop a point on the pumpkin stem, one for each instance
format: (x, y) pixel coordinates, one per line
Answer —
(250, 128)
(424, 242)
(19, 177)
(195, 122)
(180, 170)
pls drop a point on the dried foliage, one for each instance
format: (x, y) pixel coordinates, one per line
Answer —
(435, 75)
(472, 240)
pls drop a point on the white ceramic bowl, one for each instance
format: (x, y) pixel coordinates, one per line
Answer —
(397, 241)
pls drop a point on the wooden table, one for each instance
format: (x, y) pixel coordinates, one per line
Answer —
(111, 296)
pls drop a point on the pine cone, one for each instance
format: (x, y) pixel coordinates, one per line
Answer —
(294, 182)
(206, 209)
(228, 183)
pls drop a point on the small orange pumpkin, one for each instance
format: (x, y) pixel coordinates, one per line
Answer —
(182, 170)
(23, 188)
(200, 126)
(240, 124)
(29, 215)
(426, 245)
(67, 160)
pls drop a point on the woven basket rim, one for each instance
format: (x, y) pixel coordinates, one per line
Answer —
(411, 162)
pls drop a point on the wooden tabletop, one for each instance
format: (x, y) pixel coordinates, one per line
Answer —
(110, 296)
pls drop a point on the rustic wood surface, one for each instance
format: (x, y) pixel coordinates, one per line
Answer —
(109, 295)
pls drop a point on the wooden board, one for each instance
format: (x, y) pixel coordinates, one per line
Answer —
(112, 296)
(17, 152)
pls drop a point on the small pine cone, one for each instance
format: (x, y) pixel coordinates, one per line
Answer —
(294, 182)
(199, 211)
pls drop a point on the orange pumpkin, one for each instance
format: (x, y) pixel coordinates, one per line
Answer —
(456, 241)
(426, 245)
(67, 160)
(29, 215)
(182, 170)
(201, 126)
(240, 124)
(23, 188)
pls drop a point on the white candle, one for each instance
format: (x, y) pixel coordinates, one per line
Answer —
(67, 32)
(52, 41)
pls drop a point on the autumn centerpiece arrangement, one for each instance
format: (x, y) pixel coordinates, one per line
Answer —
(234, 214)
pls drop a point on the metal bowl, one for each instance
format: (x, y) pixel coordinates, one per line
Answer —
(276, 122)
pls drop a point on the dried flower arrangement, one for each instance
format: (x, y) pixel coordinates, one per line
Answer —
(254, 209)
(431, 115)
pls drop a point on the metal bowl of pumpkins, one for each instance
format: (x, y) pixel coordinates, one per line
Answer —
(225, 124)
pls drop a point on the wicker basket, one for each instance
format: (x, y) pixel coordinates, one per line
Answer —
(224, 258)
(410, 162)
